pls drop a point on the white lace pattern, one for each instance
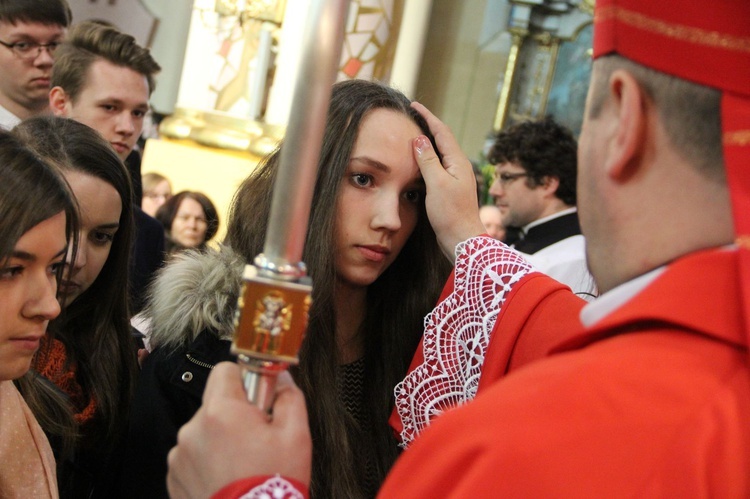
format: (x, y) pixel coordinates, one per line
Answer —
(457, 333)
(274, 488)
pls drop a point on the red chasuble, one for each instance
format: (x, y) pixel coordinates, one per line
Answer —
(650, 401)
(495, 314)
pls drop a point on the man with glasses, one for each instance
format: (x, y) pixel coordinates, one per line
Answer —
(535, 188)
(30, 31)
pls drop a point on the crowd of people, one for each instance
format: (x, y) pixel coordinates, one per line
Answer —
(498, 367)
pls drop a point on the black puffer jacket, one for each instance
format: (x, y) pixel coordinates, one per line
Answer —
(191, 310)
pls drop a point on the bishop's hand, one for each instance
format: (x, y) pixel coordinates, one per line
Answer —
(451, 200)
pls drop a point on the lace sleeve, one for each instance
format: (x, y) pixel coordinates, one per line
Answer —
(274, 488)
(457, 333)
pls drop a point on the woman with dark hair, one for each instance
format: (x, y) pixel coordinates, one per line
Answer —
(189, 219)
(92, 358)
(38, 223)
(376, 268)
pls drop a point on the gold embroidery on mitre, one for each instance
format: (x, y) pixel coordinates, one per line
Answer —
(743, 241)
(736, 138)
(689, 34)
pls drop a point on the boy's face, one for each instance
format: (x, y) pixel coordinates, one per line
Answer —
(113, 101)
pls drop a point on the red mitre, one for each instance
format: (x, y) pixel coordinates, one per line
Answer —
(707, 43)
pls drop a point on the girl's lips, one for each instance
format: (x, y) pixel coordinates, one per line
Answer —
(30, 343)
(373, 253)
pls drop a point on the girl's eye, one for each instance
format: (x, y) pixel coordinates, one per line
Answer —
(414, 196)
(57, 267)
(11, 272)
(361, 179)
(102, 238)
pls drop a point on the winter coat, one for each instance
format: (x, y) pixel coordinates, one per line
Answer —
(191, 309)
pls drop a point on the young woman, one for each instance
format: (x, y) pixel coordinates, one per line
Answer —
(376, 269)
(189, 219)
(156, 191)
(37, 224)
(93, 357)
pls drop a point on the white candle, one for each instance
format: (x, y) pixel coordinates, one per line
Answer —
(298, 160)
(296, 15)
(260, 71)
(411, 39)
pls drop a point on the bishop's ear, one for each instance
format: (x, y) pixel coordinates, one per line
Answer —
(630, 107)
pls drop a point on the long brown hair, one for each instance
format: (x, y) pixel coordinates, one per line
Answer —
(95, 327)
(396, 303)
(32, 191)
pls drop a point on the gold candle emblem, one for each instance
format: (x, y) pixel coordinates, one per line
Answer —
(271, 319)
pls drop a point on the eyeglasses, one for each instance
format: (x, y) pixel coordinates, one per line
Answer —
(30, 50)
(506, 178)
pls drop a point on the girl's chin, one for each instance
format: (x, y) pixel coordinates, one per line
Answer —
(68, 298)
(356, 282)
(65, 302)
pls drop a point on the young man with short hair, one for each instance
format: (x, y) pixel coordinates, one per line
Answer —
(103, 79)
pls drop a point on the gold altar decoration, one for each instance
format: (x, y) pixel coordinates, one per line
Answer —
(372, 29)
(222, 130)
(246, 33)
(548, 69)
(263, 10)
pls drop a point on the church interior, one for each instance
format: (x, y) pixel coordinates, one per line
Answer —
(223, 97)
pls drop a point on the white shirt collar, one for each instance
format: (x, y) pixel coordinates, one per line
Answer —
(8, 120)
(615, 297)
(567, 211)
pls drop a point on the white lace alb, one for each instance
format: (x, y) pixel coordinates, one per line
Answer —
(274, 488)
(457, 333)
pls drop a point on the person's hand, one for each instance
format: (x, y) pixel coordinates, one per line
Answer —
(229, 439)
(451, 200)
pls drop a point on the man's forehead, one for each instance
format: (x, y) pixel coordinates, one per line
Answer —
(508, 166)
(110, 82)
(31, 28)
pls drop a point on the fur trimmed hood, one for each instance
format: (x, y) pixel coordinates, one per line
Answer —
(193, 292)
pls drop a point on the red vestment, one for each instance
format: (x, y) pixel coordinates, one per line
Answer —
(653, 400)
(495, 315)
